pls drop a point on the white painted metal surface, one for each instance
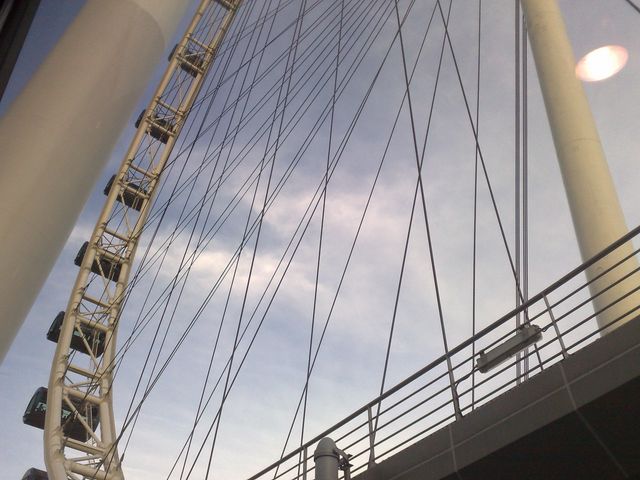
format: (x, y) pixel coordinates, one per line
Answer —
(57, 136)
(595, 208)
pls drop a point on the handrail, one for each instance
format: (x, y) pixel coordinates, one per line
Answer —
(444, 357)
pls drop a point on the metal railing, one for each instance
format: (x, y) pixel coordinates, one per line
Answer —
(427, 400)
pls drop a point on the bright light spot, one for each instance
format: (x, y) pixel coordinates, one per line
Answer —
(602, 63)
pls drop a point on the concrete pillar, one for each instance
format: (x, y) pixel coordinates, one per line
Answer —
(57, 136)
(595, 209)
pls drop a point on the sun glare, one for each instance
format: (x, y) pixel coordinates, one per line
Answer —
(602, 63)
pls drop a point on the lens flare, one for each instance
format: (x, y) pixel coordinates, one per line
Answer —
(602, 63)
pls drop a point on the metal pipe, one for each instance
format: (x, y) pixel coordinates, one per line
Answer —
(57, 136)
(597, 216)
(327, 460)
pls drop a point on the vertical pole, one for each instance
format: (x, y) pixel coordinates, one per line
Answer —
(563, 348)
(524, 276)
(595, 209)
(372, 440)
(57, 136)
(517, 182)
(305, 459)
(327, 460)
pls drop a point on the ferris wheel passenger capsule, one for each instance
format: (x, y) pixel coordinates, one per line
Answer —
(105, 264)
(35, 474)
(72, 427)
(190, 61)
(94, 338)
(132, 195)
(160, 127)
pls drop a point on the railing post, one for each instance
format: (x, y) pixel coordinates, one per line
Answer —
(372, 439)
(456, 399)
(555, 327)
(454, 390)
(304, 463)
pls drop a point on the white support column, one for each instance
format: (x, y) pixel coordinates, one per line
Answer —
(57, 136)
(597, 215)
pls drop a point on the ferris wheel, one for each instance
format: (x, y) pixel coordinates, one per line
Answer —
(79, 399)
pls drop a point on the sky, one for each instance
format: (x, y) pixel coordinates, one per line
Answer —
(348, 372)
